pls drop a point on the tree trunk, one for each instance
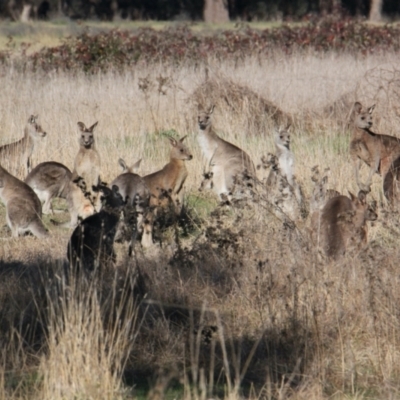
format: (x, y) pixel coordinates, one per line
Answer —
(26, 11)
(375, 13)
(216, 11)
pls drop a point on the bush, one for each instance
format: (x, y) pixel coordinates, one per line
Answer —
(117, 49)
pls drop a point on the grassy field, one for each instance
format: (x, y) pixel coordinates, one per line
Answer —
(283, 322)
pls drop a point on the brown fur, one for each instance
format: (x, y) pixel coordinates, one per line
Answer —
(87, 172)
(377, 151)
(49, 180)
(136, 194)
(168, 182)
(226, 160)
(23, 207)
(18, 153)
(341, 224)
(87, 161)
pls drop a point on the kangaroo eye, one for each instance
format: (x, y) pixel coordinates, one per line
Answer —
(363, 118)
(181, 150)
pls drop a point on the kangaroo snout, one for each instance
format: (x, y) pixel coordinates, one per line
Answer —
(203, 125)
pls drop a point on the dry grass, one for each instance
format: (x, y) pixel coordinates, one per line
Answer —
(280, 318)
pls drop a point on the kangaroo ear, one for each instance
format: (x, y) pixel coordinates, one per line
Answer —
(93, 126)
(81, 126)
(32, 119)
(211, 110)
(173, 141)
(362, 196)
(371, 109)
(352, 197)
(183, 138)
(135, 167)
(1, 183)
(288, 127)
(357, 107)
(123, 165)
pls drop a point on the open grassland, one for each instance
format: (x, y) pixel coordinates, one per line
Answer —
(235, 305)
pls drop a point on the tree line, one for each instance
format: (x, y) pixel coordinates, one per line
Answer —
(197, 10)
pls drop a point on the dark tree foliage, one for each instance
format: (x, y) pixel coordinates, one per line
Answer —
(243, 10)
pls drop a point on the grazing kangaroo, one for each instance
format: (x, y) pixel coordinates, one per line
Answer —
(168, 182)
(92, 242)
(341, 224)
(227, 161)
(49, 180)
(87, 161)
(20, 152)
(23, 207)
(379, 152)
(136, 195)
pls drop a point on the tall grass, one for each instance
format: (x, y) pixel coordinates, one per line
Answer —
(283, 322)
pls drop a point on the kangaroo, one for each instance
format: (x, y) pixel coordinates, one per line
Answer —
(87, 161)
(79, 201)
(92, 242)
(286, 192)
(20, 152)
(168, 182)
(136, 194)
(283, 153)
(377, 151)
(342, 223)
(49, 180)
(227, 160)
(23, 207)
(320, 194)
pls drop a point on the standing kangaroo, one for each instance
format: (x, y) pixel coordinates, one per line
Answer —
(20, 152)
(168, 182)
(285, 192)
(49, 180)
(379, 152)
(136, 194)
(341, 224)
(23, 207)
(87, 161)
(226, 160)
(82, 199)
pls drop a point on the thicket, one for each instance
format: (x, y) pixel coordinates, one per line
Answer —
(118, 49)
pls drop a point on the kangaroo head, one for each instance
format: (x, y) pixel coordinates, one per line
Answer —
(133, 169)
(204, 117)
(179, 150)
(33, 129)
(282, 137)
(362, 118)
(363, 211)
(86, 138)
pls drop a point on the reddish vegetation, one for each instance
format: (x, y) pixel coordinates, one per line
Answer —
(117, 49)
